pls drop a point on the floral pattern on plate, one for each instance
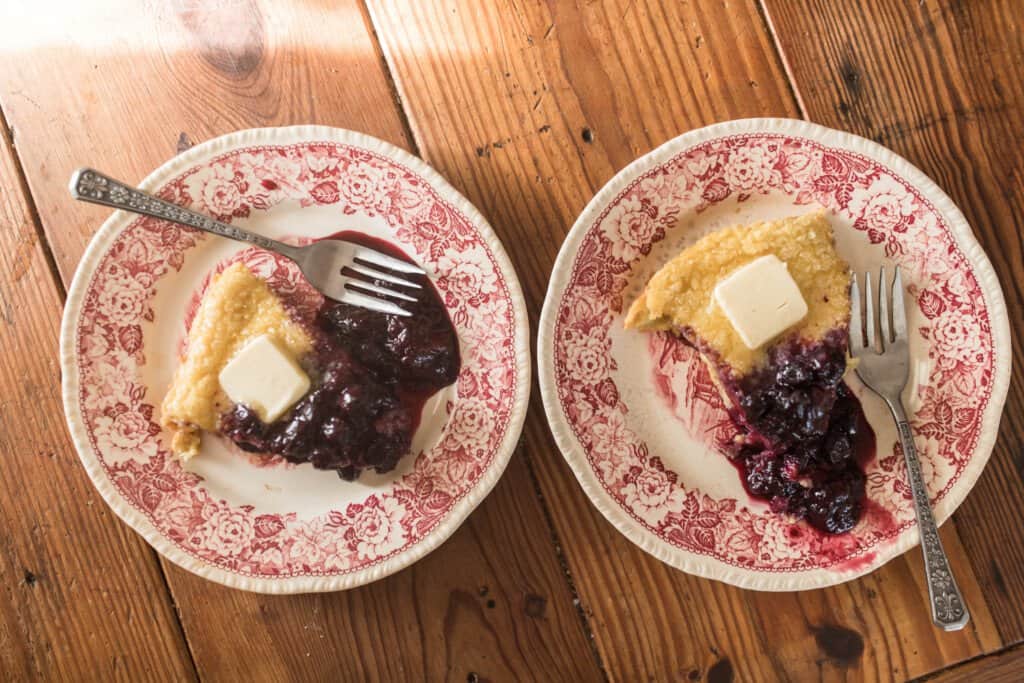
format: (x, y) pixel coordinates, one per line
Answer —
(583, 367)
(117, 410)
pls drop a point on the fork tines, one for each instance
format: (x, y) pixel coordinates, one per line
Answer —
(391, 263)
(871, 331)
(361, 282)
(380, 275)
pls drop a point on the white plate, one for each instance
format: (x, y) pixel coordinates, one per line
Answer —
(636, 415)
(265, 525)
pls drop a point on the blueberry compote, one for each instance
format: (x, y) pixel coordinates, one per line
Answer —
(372, 374)
(806, 437)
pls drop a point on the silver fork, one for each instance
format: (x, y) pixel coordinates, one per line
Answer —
(883, 354)
(321, 262)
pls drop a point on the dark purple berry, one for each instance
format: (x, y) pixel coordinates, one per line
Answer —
(376, 371)
(806, 420)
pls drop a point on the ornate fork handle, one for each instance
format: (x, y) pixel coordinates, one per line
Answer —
(92, 186)
(948, 608)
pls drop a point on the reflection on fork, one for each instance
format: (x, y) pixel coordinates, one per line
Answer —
(878, 341)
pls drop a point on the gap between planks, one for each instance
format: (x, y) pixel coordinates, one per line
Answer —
(766, 20)
(403, 117)
(967, 666)
(30, 203)
(51, 263)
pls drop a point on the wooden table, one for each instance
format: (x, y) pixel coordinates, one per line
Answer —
(527, 107)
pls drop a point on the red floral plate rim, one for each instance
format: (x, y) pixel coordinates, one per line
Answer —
(382, 530)
(884, 199)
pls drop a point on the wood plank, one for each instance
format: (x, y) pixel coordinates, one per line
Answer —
(529, 107)
(78, 585)
(493, 601)
(939, 82)
(1006, 666)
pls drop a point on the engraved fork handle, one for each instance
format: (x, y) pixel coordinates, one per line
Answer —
(948, 608)
(92, 186)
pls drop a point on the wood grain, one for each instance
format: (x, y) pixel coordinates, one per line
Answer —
(529, 108)
(78, 586)
(488, 602)
(151, 79)
(940, 83)
(1003, 667)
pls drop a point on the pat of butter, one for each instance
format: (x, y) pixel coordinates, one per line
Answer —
(761, 300)
(265, 378)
